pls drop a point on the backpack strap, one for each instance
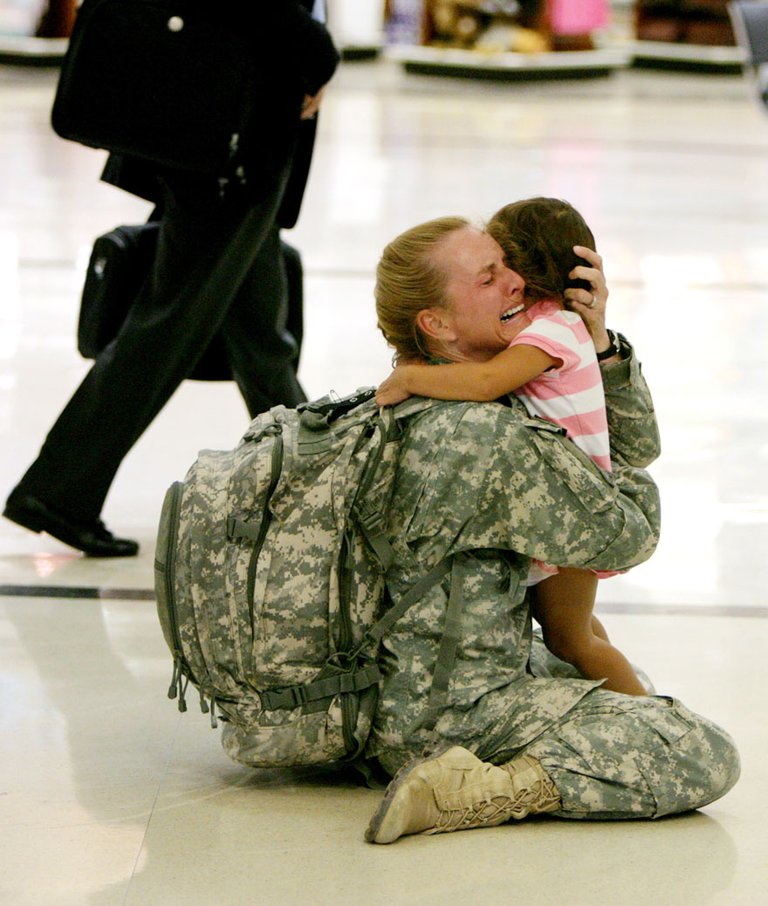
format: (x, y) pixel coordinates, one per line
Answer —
(369, 674)
(383, 625)
(322, 413)
(324, 688)
(370, 521)
(449, 643)
(360, 672)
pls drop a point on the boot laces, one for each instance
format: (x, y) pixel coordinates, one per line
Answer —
(541, 796)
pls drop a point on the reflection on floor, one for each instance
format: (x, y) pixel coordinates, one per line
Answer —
(112, 797)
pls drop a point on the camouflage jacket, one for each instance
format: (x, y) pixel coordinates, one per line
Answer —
(495, 488)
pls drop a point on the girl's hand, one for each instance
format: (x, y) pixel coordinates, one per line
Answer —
(590, 305)
(394, 389)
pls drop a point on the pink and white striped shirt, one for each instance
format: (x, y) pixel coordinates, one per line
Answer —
(571, 395)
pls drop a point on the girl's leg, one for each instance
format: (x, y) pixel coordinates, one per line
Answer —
(599, 630)
(564, 604)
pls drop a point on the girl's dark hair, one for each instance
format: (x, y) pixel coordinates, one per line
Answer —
(537, 236)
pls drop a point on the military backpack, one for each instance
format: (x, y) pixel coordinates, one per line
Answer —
(270, 576)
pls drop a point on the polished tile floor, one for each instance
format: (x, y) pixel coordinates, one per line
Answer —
(107, 794)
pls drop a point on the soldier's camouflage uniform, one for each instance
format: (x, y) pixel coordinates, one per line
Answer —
(487, 483)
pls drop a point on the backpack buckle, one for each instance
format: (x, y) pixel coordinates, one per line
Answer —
(370, 517)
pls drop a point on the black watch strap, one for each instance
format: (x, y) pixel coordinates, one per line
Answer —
(613, 349)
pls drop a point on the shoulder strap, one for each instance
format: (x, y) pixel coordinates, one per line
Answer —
(446, 654)
(382, 626)
(361, 677)
(358, 672)
(449, 643)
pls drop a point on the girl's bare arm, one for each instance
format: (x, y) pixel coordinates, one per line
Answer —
(477, 381)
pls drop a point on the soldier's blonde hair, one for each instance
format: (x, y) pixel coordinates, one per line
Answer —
(408, 281)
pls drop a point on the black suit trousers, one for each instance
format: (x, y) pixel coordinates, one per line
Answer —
(219, 270)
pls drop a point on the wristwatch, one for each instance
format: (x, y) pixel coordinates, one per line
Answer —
(613, 349)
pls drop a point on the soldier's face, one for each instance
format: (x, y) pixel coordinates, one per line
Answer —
(484, 296)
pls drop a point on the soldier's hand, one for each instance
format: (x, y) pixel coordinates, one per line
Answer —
(590, 303)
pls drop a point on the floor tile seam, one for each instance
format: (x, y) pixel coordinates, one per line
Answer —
(683, 610)
(77, 592)
(325, 272)
(143, 846)
(74, 592)
(404, 141)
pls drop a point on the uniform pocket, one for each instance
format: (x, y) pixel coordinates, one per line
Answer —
(671, 766)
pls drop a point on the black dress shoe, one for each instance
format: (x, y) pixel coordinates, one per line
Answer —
(91, 536)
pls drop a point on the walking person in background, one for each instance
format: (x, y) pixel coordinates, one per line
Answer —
(219, 272)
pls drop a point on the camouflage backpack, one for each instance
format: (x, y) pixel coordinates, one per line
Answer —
(270, 579)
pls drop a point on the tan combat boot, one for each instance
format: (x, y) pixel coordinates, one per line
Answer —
(456, 791)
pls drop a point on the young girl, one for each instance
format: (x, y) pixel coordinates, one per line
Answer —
(551, 365)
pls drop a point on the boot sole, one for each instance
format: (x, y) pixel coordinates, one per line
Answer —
(381, 812)
(392, 790)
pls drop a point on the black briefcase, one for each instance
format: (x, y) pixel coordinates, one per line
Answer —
(119, 264)
(176, 82)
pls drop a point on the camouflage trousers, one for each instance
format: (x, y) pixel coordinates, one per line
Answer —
(615, 756)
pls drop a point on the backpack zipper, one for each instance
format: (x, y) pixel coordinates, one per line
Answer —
(349, 701)
(181, 669)
(276, 465)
